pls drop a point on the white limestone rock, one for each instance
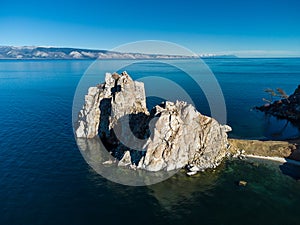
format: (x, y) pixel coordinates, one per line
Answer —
(183, 136)
(126, 160)
(179, 134)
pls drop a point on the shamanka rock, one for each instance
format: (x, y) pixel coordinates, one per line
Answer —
(171, 136)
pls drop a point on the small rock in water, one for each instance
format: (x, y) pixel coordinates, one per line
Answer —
(194, 169)
(242, 183)
(108, 162)
(191, 173)
(126, 160)
(241, 157)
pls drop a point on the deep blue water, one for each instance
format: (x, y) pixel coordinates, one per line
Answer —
(45, 180)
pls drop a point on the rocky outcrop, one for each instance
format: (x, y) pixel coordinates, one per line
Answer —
(283, 149)
(182, 136)
(288, 108)
(261, 148)
(117, 97)
(170, 137)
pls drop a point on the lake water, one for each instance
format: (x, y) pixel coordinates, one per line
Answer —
(45, 180)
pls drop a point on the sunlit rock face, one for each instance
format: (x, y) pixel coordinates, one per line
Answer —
(171, 136)
(118, 96)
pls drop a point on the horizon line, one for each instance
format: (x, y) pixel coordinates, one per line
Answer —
(233, 53)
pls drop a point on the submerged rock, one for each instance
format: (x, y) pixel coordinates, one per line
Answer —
(242, 183)
(172, 136)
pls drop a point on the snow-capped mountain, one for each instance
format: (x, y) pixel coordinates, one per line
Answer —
(9, 52)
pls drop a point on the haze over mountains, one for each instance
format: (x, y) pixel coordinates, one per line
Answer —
(31, 52)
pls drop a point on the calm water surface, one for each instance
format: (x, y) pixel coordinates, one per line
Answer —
(45, 180)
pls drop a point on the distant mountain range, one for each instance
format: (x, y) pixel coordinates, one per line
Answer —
(10, 52)
(217, 56)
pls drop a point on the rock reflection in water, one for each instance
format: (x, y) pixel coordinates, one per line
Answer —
(182, 188)
(95, 154)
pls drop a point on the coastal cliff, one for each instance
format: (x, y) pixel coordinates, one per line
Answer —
(171, 136)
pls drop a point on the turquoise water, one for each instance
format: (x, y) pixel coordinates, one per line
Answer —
(45, 180)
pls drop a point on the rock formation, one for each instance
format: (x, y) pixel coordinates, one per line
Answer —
(288, 108)
(171, 136)
(283, 149)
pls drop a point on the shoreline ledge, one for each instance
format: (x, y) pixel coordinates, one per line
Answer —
(276, 159)
(281, 151)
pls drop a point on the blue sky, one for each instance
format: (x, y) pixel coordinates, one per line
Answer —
(244, 28)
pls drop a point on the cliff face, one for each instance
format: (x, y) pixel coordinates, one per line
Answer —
(171, 136)
(107, 103)
(182, 136)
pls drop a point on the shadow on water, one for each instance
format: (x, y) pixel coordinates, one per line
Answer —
(268, 183)
(290, 170)
(95, 154)
(182, 188)
(265, 179)
(280, 129)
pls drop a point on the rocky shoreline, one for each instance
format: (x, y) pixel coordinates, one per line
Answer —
(285, 108)
(281, 149)
(173, 135)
